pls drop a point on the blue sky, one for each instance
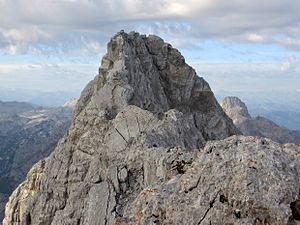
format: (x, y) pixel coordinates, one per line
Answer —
(236, 45)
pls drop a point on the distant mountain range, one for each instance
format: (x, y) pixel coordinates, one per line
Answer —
(282, 107)
(257, 126)
(40, 98)
(290, 120)
(27, 134)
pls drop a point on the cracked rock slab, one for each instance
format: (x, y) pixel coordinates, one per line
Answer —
(240, 180)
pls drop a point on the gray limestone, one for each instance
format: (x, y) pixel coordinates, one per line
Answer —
(240, 180)
(136, 154)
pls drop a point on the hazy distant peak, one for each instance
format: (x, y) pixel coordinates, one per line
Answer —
(14, 107)
(258, 126)
(235, 109)
(71, 103)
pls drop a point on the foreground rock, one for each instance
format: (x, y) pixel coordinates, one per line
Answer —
(140, 122)
(27, 135)
(258, 126)
(240, 180)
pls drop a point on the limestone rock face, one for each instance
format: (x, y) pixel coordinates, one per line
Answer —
(239, 180)
(258, 126)
(141, 121)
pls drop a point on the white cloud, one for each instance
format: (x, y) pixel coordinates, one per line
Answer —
(14, 68)
(253, 37)
(288, 64)
(245, 77)
(47, 76)
(60, 24)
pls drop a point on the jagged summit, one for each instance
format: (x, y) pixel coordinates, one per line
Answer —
(145, 72)
(151, 74)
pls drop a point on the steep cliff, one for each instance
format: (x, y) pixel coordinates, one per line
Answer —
(140, 121)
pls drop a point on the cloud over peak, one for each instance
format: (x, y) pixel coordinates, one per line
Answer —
(63, 25)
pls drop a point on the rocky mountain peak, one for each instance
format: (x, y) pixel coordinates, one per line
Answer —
(149, 73)
(235, 109)
(135, 153)
(140, 121)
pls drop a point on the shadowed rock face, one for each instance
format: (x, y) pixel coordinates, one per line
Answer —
(140, 121)
(258, 126)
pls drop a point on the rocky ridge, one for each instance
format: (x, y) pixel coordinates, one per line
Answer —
(258, 126)
(135, 153)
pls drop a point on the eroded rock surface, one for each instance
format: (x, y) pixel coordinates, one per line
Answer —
(239, 180)
(141, 121)
(258, 126)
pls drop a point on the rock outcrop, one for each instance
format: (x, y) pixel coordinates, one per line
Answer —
(239, 180)
(141, 121)
(27, 135)
(258, 126)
